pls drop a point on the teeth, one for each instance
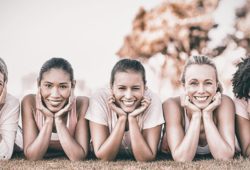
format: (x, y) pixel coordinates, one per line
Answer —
(55, 103)
(202, 98)
(128, 103)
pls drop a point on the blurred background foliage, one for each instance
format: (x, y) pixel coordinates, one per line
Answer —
(165, 36)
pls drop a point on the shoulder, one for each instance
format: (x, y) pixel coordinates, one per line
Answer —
(226, 102)
(173, 102)
(226, 99)
(81, 101)
(153, 96)
(29, 99)
(12, 100)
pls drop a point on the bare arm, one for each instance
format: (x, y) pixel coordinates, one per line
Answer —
(75, 147)
(242, 131)
(106, 146)
(183, 146)
(144, 145)
(35, 142)
(221, 139)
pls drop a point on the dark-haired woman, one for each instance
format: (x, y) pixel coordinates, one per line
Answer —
(53, 119)
(125, 118)
(241, 86)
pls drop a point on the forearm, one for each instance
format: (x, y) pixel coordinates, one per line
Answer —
(140, 148)
(71, 147)
(37, 149)
(186, 150)
(219, 147)
(109, 149)
(246, 152)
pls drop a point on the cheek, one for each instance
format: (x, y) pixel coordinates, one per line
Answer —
(189, 89)
(65, 93)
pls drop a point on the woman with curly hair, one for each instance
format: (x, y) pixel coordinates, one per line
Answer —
(241, 85)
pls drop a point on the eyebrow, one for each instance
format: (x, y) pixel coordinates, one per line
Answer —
(59, 83)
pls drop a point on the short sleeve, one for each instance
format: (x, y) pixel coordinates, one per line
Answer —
(153, 114)
(241, 108)
(98, 109)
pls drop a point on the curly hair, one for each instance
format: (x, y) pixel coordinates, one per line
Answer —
(241, 79)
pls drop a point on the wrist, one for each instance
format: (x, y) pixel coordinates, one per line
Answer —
(49, 120)
(122, 118)
(131, 118)
(58, 120)
(207, 115)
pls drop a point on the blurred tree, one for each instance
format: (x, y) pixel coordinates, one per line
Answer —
(178, 29)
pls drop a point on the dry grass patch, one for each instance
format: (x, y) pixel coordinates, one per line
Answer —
(204, 163)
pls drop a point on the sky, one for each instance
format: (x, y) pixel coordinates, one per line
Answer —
(87, 33)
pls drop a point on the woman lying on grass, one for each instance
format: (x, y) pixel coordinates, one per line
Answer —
(9, 113)
(202, 120)
(53, 119)
(127, 117)
(241, 86)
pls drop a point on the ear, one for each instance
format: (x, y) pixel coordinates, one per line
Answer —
(146, 87)
(74, 84)
(37, 81)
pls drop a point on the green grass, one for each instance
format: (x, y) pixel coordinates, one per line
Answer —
(162, 162)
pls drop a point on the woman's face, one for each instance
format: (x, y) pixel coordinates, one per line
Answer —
(200, 84)
(128, 89)
(1, 82)
(55, 89)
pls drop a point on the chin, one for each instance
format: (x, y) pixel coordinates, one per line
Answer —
(128, 110)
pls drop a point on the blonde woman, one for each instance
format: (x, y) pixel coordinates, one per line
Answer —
(202, 120)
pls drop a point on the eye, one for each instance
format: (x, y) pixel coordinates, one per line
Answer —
(208, 83)
(136, 88)
(193, 83)
(48, 85)
(121, 88)
(63, 86)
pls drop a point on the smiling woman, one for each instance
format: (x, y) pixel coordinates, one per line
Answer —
(127, 117)
(202, 120)
(53, 119)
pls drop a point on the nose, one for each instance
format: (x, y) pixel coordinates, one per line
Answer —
(128, 94)
(201, 89)
(54, 92)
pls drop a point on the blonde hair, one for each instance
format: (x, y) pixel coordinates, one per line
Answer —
(201, 60)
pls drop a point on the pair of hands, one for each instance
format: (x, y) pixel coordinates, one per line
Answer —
(121, 113)
(216, 101)
(48, 113)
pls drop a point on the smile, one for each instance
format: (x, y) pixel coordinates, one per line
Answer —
(201, 98)
(128, 103)
(55, 102)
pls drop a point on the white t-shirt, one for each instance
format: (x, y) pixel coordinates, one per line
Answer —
(8, 126)
(99, 112)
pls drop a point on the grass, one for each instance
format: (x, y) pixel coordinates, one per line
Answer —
(162, 162)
